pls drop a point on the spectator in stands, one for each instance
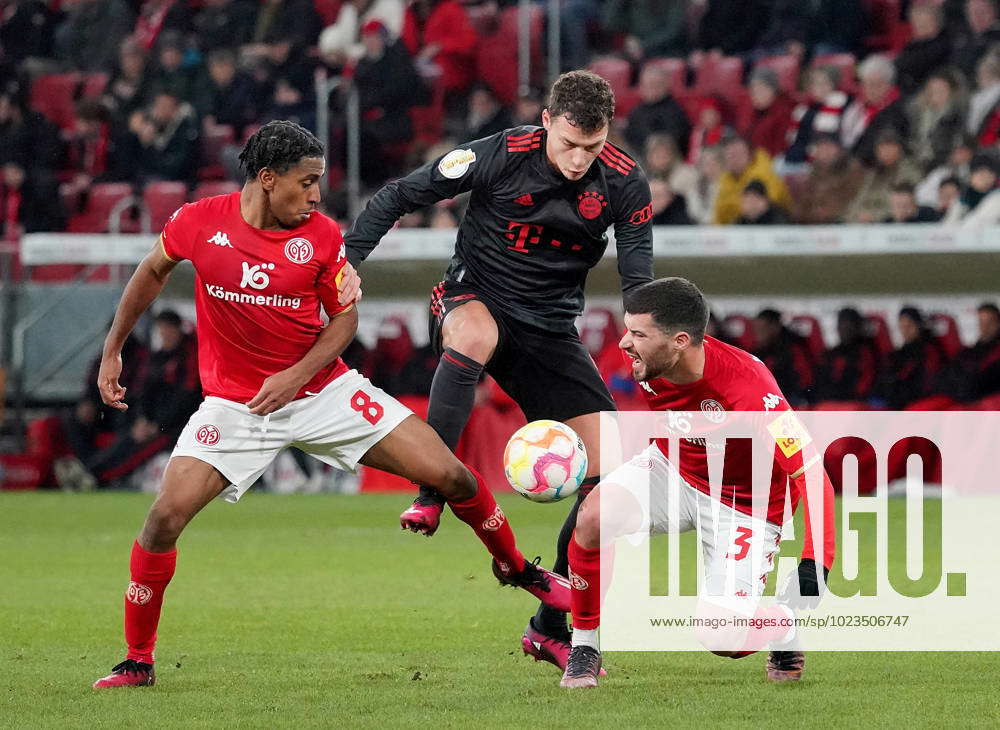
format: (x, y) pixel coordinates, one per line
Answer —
(772, 112)
(29, 202)
(949, 193)
(730, 27)
(980, 32)
(957, 166)
(983, 102)
(172, 75)
(710, 169)
(93, 30)
(657, 112)
(25, 30)
(669, 207)
(129, 87)
(979, 204)
(652, 28)
(911, 368)
(832, 181)
(892, 167)
(578, 19)
(163, 141)
(388, 86)
(786, 31)
(936, 120)
(231, 96)
(822, 112)
(876, 108)
(849, 370)
(528, 109)
(975, 373)
(340, 42)
(756, 209)
(225, 24)
(161, 16)
(292, 22)
(26, 137)
(838, 27)
(785, 354)
(167, 394)
(928, 51)
(442, 217)
(903, 206)
(289, 101)
(663, 161)
(393, 349)
(708, 129)
(486, 114)
(91, 152)
(741, 166)
(440, 38)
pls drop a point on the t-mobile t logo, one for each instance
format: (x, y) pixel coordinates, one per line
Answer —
(255, 276)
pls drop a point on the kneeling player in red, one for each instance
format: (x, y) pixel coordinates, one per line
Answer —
(267, 261)
(681, 369)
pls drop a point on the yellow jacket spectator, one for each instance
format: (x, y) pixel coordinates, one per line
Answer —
(743, 165)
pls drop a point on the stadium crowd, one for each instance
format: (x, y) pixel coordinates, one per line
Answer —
(744, 112)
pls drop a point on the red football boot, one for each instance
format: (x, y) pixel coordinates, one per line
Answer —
(550, 588)
(424, 515)
(129, 673)
(546, 648)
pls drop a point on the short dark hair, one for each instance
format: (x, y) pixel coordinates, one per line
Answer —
(771, 316)
(989, 307)
(584, 98)
(906, 188)
(169, 316)
(676, 305)
(278, 145)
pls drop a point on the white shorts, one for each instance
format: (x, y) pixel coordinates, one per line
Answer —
(738, 549)
(338, 425)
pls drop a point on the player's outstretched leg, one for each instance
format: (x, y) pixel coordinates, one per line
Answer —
(188, 485)
(469, 336)
(413, 451)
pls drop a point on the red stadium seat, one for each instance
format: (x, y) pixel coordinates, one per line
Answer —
(94, 85)
(328, 10)
(878, 330)
(723, 76)
(786, 68)
(103, 198)
(213, 140)
(54, 96)
(497, 54)
(946, 331)
(616, 71)
(808, 327)
(676, 71)
(738, 329)
(161, 200)
(844, 63)
(209, 189)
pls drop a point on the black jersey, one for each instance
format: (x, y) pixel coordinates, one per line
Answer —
(530, 235)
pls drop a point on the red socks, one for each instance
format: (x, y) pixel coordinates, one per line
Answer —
(151, 572)
(488, 521)
(585, 577)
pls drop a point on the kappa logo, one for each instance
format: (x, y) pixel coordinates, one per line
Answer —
(771, 401)
(495, 521)
(138, 594)
(220, 239)
(298, 251)
(208, 435)
(256, 276)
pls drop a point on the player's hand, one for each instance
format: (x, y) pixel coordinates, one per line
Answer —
(803, 589)
(112, 393)
(276, 392)
(349, 288)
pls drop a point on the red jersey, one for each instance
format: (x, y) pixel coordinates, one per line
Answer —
(735, 380)
(257, 293)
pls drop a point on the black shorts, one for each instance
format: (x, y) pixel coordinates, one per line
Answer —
(548, 374)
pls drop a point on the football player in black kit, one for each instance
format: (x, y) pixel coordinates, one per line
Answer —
(542, 201)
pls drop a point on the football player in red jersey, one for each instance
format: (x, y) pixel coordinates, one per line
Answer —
(267, 262)
(682, 369)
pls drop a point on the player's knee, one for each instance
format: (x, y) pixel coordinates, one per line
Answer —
(164, 525)
(588, 524)
(456, 483)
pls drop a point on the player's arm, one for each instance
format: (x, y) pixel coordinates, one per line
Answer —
(144, 286)
(471, 165)
(634, 232)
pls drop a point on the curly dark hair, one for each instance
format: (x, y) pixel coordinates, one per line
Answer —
(676, 305)
(584, 98)
(278, 145)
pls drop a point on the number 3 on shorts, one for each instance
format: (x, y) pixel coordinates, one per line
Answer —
(363, 404)
(742, 542)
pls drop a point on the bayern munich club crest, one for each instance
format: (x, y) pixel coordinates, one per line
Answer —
(208, 435)
(298, 251)
(138, 594)
(713, 410)
(591, 204)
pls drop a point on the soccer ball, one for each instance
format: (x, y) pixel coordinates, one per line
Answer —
(545, 461)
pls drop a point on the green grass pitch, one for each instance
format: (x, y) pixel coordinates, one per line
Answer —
(294, 611)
